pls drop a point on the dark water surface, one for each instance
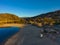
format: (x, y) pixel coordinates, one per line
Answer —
(7, 32)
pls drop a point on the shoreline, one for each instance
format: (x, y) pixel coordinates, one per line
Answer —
(12, 25)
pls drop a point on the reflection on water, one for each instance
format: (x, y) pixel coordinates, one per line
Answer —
(7, 32)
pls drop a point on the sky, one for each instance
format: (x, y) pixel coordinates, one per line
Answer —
(28, 8)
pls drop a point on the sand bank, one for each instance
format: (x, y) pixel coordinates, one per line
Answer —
(13, 25)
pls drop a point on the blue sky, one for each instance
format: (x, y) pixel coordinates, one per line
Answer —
(28, 8)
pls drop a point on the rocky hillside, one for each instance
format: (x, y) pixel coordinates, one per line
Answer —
(50, 18)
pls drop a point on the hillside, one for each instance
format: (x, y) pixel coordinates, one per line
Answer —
(50, 18)
(10, 18)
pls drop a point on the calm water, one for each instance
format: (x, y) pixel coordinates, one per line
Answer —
(7, 32)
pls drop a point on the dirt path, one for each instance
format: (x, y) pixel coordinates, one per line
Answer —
(29, 35)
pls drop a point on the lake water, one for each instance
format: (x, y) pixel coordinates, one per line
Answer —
(7, 32)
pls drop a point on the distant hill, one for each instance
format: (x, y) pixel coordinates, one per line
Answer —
(10, 18)
(49, 18)
(7, 16)
(49, 14)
